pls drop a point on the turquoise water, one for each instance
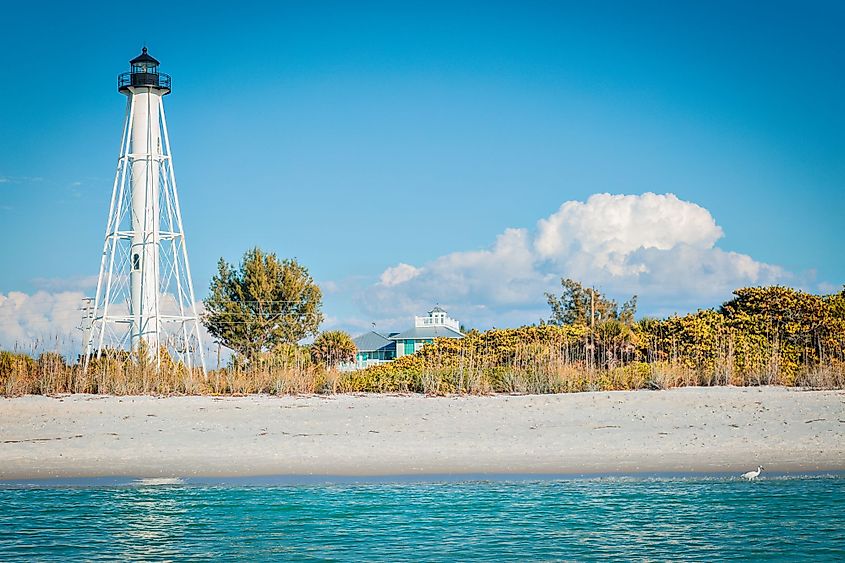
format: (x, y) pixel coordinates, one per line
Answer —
(707, 519)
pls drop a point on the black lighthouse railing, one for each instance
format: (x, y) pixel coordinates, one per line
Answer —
(158, 80)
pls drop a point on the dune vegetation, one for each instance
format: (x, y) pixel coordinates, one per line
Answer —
(763, 336)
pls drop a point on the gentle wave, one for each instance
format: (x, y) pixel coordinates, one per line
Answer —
(158, 481)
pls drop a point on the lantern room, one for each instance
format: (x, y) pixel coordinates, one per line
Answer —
(144, 73)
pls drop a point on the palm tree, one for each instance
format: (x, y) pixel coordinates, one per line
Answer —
(333, 347)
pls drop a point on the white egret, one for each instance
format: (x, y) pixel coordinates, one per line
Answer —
(752, 475)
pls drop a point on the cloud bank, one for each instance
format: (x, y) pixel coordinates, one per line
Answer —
(657, 246)
(42, 321)
(654, 245)
(47, 321)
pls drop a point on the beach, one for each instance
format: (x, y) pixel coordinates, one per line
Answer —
(719, 429)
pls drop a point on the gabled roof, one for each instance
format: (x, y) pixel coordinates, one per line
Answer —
(371, 341)
(437, 309)
(428, 332)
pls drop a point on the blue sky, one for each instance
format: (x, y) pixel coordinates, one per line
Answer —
(358, 137)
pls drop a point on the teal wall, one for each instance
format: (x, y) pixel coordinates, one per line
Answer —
(383, 354)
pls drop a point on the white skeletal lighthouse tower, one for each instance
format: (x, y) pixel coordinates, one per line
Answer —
(145, 297)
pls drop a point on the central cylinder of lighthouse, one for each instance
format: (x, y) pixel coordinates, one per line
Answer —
(145, 161)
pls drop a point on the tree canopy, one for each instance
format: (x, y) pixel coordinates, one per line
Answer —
(574, 306)
(263, 303)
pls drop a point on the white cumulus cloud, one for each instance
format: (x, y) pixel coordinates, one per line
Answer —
(654, 245)
(46, 321)
(39, 322)
(608, 228)
(398, 274)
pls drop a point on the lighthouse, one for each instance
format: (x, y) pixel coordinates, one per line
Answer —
(145, 295)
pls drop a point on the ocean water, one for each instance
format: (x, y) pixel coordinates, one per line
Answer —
(703, 518)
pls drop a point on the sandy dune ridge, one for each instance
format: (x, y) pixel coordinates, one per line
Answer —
(680, 430)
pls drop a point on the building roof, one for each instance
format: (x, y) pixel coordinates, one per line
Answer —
(371, 341)
(428, 332)
(143, 58)
(437, 309)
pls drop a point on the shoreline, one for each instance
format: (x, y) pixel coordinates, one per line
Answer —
(116, 482)
(685, 431)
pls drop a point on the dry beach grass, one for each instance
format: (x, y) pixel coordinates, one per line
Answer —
(439, 370)
(764, 336)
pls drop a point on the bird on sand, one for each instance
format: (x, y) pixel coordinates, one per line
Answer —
(752, 475)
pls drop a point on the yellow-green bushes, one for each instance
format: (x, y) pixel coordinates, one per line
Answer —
(766, 335)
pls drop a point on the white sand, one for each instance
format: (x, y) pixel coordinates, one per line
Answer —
(700, 429)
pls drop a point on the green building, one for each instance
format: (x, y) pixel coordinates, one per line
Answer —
(374, 348)
(437, 324)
